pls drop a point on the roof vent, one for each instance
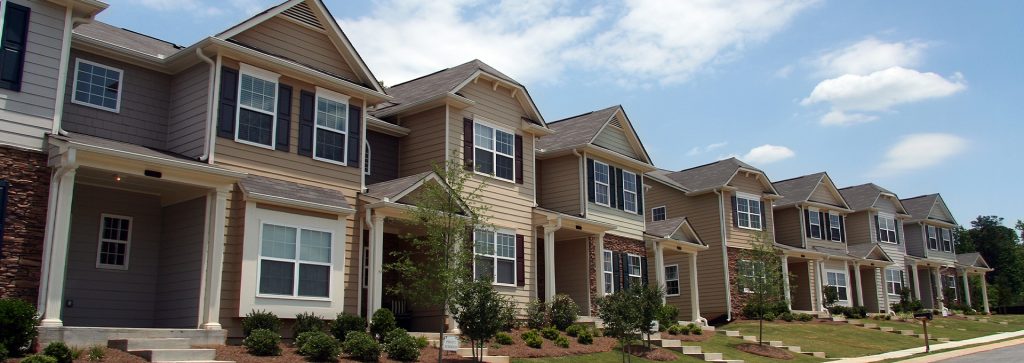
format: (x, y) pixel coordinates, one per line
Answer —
(615, 122)
(304, 15)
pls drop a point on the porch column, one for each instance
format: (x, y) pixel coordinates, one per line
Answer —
(884, 288)
(984, 294)
(55, 263)
(216, 209)
(916, 281)
(967, 287)
(375, 300)
(694, 295)
(600, 264)
(858, 290)
(659, 268)
(549, 264)
(819, 267)
(785, 281)
(938, 288)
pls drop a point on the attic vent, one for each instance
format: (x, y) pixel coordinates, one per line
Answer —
(304, 15)
(615, 122)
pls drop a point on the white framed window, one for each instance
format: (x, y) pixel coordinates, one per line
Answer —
(658, 213)
(609, 275)
(367, 159)
(814, 221)
(97, 85)
(887, 228)
(835, 232)
(836, 281)
(947, 240)
(602, 189)
(933, 238)
(748, 211)
(494, 151)
(672, 280)
(893, 281)
(115, 240)
(752, 272)
(495, 256)
(295, 261)
(629, 186)
(635, 269)
(256, 119)
(330, 133)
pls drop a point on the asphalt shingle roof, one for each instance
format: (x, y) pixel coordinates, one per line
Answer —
(920, 207)
(439, 83)
(798, 189)
(664, 228)
(282, 188)
(862, 196)
(128, 39)
(391, 188)
(970, 259)
(576, 130)
(708, 176)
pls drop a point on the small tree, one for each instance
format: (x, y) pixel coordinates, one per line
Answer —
(622, 319)
(649, 299)
(479, 309)
(760, 276)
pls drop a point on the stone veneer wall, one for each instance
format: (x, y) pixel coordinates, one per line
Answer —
(739, 298)
(615, 244)
(25, 224)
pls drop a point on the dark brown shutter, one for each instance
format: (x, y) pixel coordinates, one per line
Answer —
(639, 194)
(539, 247)
(764, 215)
(355, 131)
(878, 229)
(15, 38)
(467, 143)
(307, 110)
(519, 159)
(284, 116)
(520, 260)
(896, 225)
(807, 222)
(228, 103)
(616, 175)
(616, 271)
(735, 212)
(842, 228)
(626, 269)
(590, 180)
(827, 233)
(643, 270)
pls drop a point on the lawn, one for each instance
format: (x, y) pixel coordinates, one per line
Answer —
(835, 339)
(725, 345)
(957, 329)
(606, 357)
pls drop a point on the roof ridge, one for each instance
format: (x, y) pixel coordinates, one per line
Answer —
(421, 77)
(797, 177)
(921, 196)
(701, 166)
(147, 36)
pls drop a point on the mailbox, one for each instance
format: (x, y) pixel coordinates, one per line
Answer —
(924, 316)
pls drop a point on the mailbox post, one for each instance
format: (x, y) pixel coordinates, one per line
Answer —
(924, 318)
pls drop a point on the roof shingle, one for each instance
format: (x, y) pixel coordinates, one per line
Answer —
(862, 196)
(798, 189)
(128, 39)
(709, 176)
(920, 207)
(575, 131)
(257, 184)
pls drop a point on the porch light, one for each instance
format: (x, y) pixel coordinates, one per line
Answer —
(117, 177)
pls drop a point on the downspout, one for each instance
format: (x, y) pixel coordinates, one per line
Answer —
(725, 253)
(207, 146)
(62, 70)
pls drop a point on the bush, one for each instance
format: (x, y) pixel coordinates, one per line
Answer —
(361, 346)
(59, 351)
(319, 346)
(3, 353)
(564, 311)
(507, 315)
(803, 317)
(503, 339)
(562, 341)
(750, 310)
(694, 329)
(549, 333)
(786, 316)
(532, 339)
(401, 346)
(575, 329)
(260, 320)
(307, 322)
(422, 342)
(769, 316)
(536, 315)
(675, 329)
(394, 333)
(97, 353)
(346, 323)
(39, 358)
(18, 319)
(585, 337)
(383, 322)
(667, 316)
(263, 342)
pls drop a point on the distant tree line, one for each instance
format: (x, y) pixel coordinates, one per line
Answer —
(1001, 247)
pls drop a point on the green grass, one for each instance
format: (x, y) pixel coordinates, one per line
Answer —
(727, 346)
(836, 340)
(614, 356)
(955, 329)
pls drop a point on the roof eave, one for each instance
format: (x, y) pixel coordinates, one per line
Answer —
(440, 99)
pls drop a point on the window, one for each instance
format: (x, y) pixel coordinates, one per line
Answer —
(330, 139)
(115, 238)
(257, 107)
(750, 272)
(295, 261)
(658, 214)
(893, 281)
(635, 270)
(366, 159)
(947, 240)
(748, 212)
(933, 240)
(672, 280)
(609, 275)
(495, 256)
(495, 150)
(629, 186)
(814, 221)
(887, 229)
(601, 186)
(837, 282)
(949, 287)
(835, 230)
(97, 85)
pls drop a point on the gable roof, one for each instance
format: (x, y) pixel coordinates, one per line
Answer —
(801, 188)
(864, 196)
(580, 130)
(261, 187)
(864, 251)
(127, 39)
(972, 259)
(395, 189)
(717, 174)
(920, 207)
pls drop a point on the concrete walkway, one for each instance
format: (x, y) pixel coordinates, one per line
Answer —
(935, 347)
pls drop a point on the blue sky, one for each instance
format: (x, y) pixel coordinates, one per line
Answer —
(919, 97)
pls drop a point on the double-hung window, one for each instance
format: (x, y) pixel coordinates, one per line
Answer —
(331, 132)
(494, 151)
(748, 212)
(658, 213)
(495, 256)
(751, 273)
(814, 221)
(97, 86)
(933, 238)
(947, 240)
(635, 270)
(887, 228)
(257, 107)
(893, 281)
(115, 239)
(672, 280)
(835, 230)
(602, 189)
(295, 262)
(629, 186)
(609, 275)
(837, 282)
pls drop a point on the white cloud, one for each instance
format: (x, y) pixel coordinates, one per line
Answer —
(920, 151)
(879, 91)
(697, 150)
(767, 153)
(205, 7)
(869, 55)
(840, 118)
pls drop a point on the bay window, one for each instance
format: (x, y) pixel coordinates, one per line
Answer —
(295, 261)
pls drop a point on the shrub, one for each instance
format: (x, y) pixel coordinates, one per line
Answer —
(804, 317)
(562, 341)
(401, 346)
(675, 329)
(97, 353)
(575, 329)
(507, 315)
(307, 322)
(549, 333)
(503, 339)
(564, 311)
(667, 316)
(260, 320)
(346, 323)
(3, 353)
(694, 329)
(394, 333)
(319, 346)
(263, 342)
(858, 312)
(59, 351)
(786, 316)
(383, 322)
(536, 314)
(422, 342)
(768, 316)
(18, 319)
(39, 358)
(361, 346)
(585, 337)
(532, 339)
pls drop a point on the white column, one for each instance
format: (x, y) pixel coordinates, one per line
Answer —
(857, 285)
(216, 210)
(984, 293)
(659, 268)
(967, 287)
(694, 294)
(938, 288)
(916, 281)
(820, 273)
(885, 287)
(549, 264)
(785, 281)
(58, 250)
(375, 300)
(600, 264)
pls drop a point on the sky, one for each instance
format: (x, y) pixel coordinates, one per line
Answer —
(916, 96)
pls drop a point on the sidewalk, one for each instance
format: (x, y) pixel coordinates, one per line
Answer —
(962, 352)
(936, 347)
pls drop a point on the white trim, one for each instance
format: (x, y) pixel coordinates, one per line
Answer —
(887, 217)
(811, 224)
(931, 232)
(679, 287)
(297, 262)
(664, 212)
(337, 98)
(946, 238)
(259, 72)
(120, 86)
(127, 243)
(844, 286)
(495, 257)
(890, 283)
(266, 76)
(625, 192)
(749, 198)
(608, 184)
(639, 265)
(838, 225)
(493, 148)
(608, 271)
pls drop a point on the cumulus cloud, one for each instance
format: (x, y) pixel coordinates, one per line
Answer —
(879, 91)
(841, 118)
(205, 7)
(767, 153)
(920, 151)
(697, 150)
(869, 55)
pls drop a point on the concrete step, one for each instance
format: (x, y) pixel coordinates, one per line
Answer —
(794, 349)
(689, 349)
(887, 329)
(731, 333)
(870, 325)
(707, 357)
(838, 318)
(148, 343)
(854, 321)
(667, 343)
(750, 338)
(814, 354)
(177, 355)
(907, 332)
(941, 340)
(468, 352)
(775, 343)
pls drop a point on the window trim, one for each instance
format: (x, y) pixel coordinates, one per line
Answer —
(821, 225)
(890, 284)
(74, 88)
(845, 286)
(931, 233)
(679, 288)
(946, 242)
(608, 184)
(837, 226)
(664, 213)
(494, 148)
(639, 265)
(334, 97)
(127, 243)
(752, 275)
(608, 269)
(297, 261)
(888, 217)
(626, 192)
(495, 257)
(749, 198)
(267, 76)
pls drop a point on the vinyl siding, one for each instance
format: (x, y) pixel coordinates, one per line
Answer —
(301, 44)
(572, 272)
(181, 262)
(917, 241)
(740, 237)
(186, 126)
(383, 157)
(424, 147)
(940, 213)
(231, 281)
(615, 139)
(803, 295)
(682, 301)
(787, 226)
(558, 186)
(896, 251)
(629, 225)
(869, 288)
(822, 194)
(860, 228)
(825, 241)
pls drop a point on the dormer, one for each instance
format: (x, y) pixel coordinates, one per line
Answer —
(811, 204)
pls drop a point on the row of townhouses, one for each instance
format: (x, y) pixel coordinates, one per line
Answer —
(152, 185)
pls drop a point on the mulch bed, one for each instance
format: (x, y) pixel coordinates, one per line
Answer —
(654, 353)
(288, 355)
(765, 351)
(110, 356)
(519, 349)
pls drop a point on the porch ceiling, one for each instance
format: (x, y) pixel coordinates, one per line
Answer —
(169, 192)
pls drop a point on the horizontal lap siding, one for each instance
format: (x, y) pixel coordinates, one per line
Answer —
(231, 282)
(822, 194)
(743, 238)
(787, 226)
(186, 126)
(383, 157)
(859, 228)
(629, 225)
(32, 108)
(682, 301)
(615, 139)
(287, 39)
(181, 261)
(572, 272)
(917, 240)
(424, 147)
(558, 188)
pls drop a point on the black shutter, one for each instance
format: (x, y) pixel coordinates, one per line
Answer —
(626, 269)
(807, 222)
(619, 195)
(842, 228)
(539, 247)
(639, 194)
(735, 213)
(284, 116)
(896, 225)
(228, 103)
(307, 110)
(613, 193)
(643, 269)
(827, 233)
(4, 188)
(764, 216)
(878, 230)
(519, 159)
(520, 260)
(467, 144)
(590, 180)
(616, 271)
(15, 36)
(355, 131)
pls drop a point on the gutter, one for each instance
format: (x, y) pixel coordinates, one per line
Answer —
(62, 70)
(213, 76)
(725, 253)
